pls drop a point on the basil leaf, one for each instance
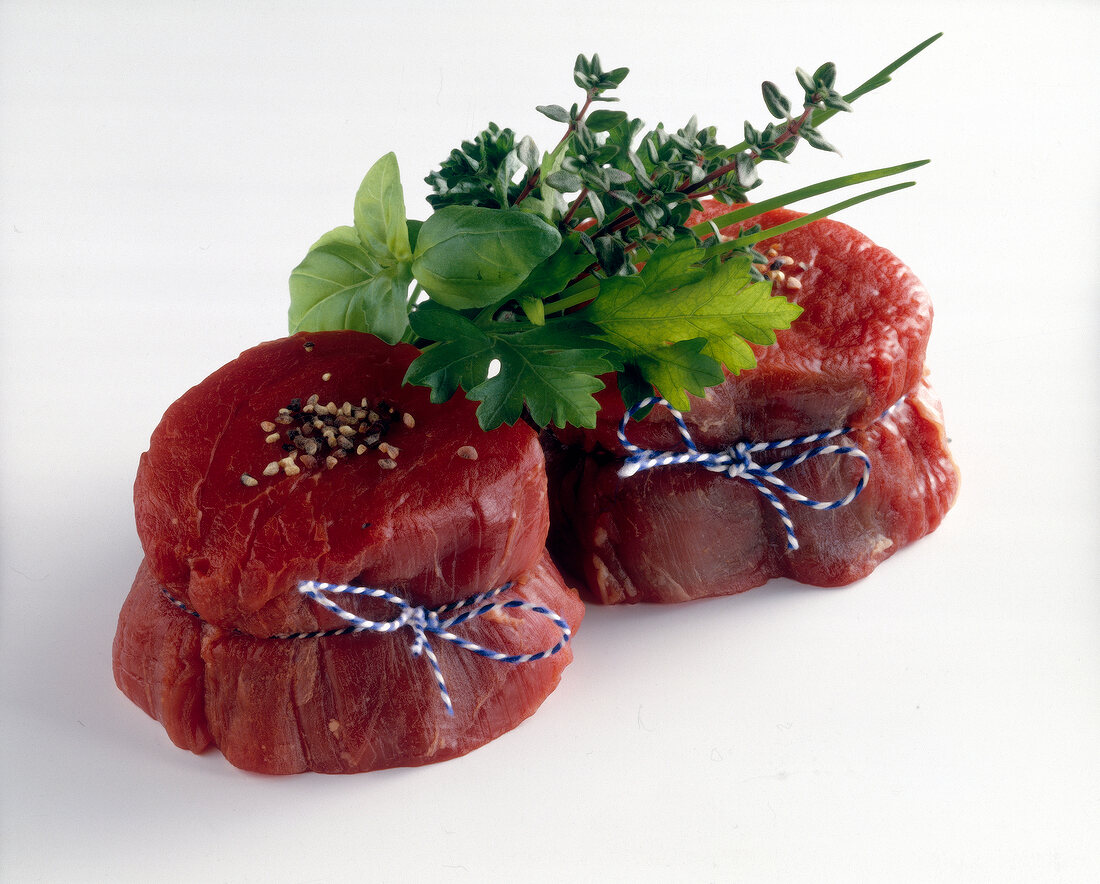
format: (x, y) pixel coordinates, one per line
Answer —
(414, 231)
(383, 309)
(554, 274)
(380, 212)
(469, 256)
(339, 285)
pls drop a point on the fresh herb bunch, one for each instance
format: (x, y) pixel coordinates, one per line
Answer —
(537, 273)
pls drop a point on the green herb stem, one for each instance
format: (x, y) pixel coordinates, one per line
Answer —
(573, 208)
(789, 132)
(869, 85)
(573, 296)
(749, 239)
(531, 184)
(793, 196)
(879, 79)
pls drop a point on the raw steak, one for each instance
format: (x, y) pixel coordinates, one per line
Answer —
(438, 525)
(237, 501)
(676, 533)
(681, 532)
(340, 704)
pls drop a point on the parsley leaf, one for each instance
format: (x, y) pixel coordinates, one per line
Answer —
(679, 366)
(673, 301)
(460, 357)
(550, 369)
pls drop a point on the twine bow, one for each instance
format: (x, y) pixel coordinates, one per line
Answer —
(737, 462)
(424, 621)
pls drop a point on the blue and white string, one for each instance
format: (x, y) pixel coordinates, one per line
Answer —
(737, 462)
(422, 621)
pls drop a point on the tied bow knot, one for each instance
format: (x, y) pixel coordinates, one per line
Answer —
(737, 462)
(424, 621)
(420, 622)
(740, 461)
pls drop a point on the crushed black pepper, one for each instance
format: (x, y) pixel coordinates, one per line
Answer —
(330, 431)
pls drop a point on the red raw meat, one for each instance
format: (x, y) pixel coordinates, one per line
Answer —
(439, 526)
(459, 512)
(342, 704)
(681, 532)
(675, 533)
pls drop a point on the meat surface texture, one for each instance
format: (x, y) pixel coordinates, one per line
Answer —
(676, 533)
(338, 704)
(439, 525)
(681, 532)
(455, 512)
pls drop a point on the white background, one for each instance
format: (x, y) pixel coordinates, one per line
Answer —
(165, 165)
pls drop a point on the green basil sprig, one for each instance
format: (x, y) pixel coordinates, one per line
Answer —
(468, 256)
(359, 277)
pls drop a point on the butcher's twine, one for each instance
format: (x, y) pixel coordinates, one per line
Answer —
(737, 462)
(422, 621)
